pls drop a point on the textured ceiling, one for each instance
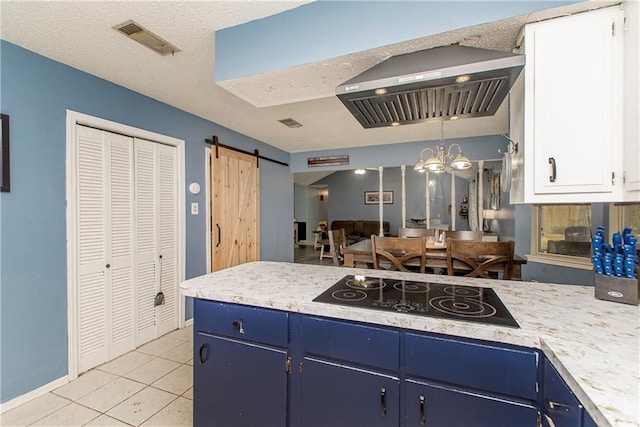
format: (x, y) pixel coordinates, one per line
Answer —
(79, 34)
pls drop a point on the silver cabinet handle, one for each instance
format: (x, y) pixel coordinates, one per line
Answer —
(383, 401)
(556, 405)
(238, 325)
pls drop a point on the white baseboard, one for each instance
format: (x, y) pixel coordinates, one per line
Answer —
(17, 401)
(188, 322)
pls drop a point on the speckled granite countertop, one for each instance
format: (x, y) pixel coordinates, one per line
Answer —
(594, 345)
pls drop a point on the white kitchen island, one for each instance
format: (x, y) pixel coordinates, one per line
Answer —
(593, 344)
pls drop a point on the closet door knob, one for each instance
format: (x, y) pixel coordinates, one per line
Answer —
(108, 265)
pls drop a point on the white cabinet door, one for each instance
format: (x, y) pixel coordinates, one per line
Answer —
(573, 106)
(632, 100)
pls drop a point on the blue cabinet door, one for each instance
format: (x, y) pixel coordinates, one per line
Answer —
(338, 395)
(439, 406)
(587, 421)
(559, 405)
(238, 383)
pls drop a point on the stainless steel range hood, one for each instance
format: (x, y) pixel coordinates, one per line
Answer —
(433, 84)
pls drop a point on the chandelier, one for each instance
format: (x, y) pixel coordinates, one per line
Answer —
(437, 162)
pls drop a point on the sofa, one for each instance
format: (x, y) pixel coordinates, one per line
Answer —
(357, 230)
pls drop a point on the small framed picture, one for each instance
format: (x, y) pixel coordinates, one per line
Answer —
(4, 153)
(373, 197)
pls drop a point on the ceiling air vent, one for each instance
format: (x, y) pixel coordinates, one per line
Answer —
(290, 123)
(327, 161)
(137, 32)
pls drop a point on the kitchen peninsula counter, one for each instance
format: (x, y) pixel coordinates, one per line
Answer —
(593, 344)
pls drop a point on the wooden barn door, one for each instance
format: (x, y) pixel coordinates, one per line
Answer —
(235, 211)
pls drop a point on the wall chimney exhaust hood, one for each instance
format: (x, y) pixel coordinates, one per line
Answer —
(435, 84)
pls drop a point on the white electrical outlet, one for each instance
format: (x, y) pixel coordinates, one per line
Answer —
(194, 208)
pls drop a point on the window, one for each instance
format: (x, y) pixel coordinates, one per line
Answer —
(564, 230)
(561, 234)
(625, 215)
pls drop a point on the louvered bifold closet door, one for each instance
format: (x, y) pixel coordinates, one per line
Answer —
(167, 316)
(157, 230)
(147, 206)
(91, 232)
(105, 241)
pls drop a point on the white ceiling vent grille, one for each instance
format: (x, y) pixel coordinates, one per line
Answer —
(290, 123)
(137, 32)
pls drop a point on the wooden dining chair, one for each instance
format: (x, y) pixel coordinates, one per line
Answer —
(398, 251)
(337, 241)
(463, 235)
(416, 232)
(477, 258)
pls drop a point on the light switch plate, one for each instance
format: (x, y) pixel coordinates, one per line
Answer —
(194, 208)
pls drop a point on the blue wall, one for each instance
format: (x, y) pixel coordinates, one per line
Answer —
(35, 93)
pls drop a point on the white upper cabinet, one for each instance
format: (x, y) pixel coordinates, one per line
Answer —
(632, 100)
(573, 116)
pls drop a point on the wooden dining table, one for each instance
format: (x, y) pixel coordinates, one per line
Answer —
(436, 257)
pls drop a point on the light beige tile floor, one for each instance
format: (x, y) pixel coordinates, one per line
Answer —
(150, 386)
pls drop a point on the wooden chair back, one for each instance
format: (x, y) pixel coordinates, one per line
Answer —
(416, 232)
(337, 241)
(479, 257)
(463, 235)
(398, 251)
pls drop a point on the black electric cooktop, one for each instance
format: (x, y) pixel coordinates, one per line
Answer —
(470, 303)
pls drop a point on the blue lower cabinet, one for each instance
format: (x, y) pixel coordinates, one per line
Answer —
(560, 407)
(264, 367)
(441, 406)
(334, 394)
(238, 383)
(587, 421)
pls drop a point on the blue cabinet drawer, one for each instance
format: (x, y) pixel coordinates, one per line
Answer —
(506, 370)
(436, 405)
(242, 322)
(359, 344)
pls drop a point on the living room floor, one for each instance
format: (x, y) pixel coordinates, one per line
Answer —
(150, 386)
(308, 255)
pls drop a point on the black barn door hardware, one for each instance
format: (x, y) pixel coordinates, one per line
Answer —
(216, 143)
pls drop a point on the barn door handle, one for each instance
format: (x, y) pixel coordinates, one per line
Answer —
(219, 233)
(201, 353)
(552, 162)
(383, 401)
(423, 420)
